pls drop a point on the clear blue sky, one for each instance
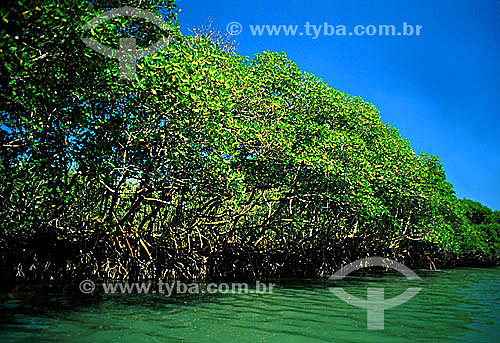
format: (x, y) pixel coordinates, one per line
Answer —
(440, 89)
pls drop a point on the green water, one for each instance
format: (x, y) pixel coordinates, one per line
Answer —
(461, 305)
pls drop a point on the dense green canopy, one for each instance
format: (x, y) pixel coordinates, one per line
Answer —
(207, 164)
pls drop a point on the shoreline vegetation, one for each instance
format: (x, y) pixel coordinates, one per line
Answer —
(209, 165)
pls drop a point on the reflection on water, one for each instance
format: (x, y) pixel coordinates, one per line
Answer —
(461, 305)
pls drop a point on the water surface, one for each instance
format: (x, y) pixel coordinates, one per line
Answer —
(461, 305)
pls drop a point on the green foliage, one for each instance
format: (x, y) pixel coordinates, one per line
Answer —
(205, 152)
(484, 228)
